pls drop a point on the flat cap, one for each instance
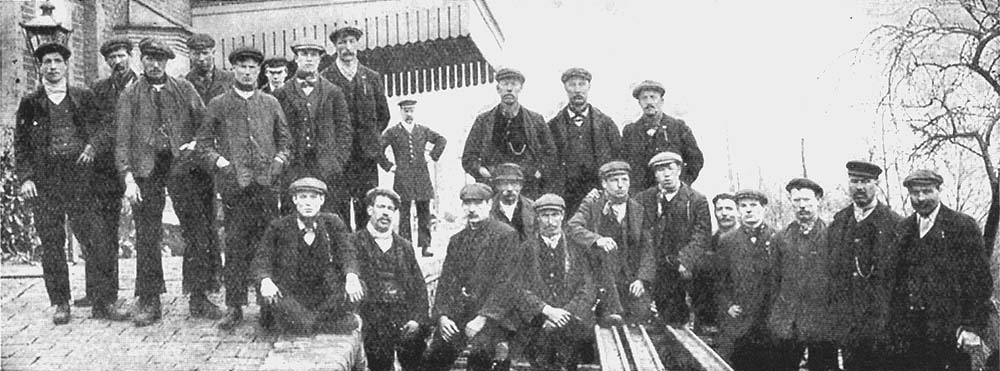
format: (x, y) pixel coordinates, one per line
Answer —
(52, 47)
(614, 168)
(800, 183)
(576, 72)
(550, 201)
(665, 157)
(308, 43)
(115, 43)
(244, 52)
(863, 169)
(751, 194)
(375, 192)
(307, 184)
(155, 48)
(923, 177)
(200, 41)
(648, 85)
(509, 73)
(475, 191)
(508, 171)
(407, 102)
(278, 61)
(346, 31)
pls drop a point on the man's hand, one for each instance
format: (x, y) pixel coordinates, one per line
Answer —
(560, 317)
(269, 291)
(410, 328)
(132, 193)
(592, 195)
(735, 311)
(538, 174)
(353, 287)
(28, 190)
(221, 162)
(484, 172)
(474, 326)
(87, 156)
(637, 288)
(685, 273)
(189, 146)
(606, 243)
(447, 327)
(968, 339)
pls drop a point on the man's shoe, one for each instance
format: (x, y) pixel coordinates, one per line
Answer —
(83, 302)
(232, 318)
(108, 311)
(425, 253)
(62, 314)
(201, 307)
(147, 311)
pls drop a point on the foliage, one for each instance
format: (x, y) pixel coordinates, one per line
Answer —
(17, 235)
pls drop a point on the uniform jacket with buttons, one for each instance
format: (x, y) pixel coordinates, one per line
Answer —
(481, 152)
(576, 293)
(801, 309)
(412, 179)
(368, 106)
(406, 273)
(325, 128)
(607, 143)
(32, 136)
(644, 139)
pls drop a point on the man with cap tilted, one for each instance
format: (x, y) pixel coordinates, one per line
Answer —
(585, 138)
(510, 133)
(56, 137)
(509, 206)
(207, 79)
(679, 222)
(861, 240)
(319, 121)
(611, 225)
(300, 264)
(157, 117)
(388, 284)
(471, 304)
(554, 292)
(276, 71)
(412, 179)
(245, 137)
(941, 301)
(656, 132)
(369, 113)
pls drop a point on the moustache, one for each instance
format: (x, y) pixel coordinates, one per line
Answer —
(385, 218)
(649, 106)
(118, 67)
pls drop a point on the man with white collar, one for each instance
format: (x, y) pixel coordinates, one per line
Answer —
(509, 206)
(244, 136)
(941, 302)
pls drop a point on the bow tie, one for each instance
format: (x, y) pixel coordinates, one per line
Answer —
(308, 225)
(306, 83)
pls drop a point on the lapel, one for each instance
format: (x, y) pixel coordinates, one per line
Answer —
(635, 213)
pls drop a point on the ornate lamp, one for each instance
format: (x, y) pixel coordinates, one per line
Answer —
(44, 29)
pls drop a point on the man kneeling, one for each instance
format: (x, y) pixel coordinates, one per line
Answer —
(299, 266)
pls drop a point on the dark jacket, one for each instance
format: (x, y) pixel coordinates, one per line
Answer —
(325, 133)
(680, 235)
(860, 303)
(526, 208)
(801, 309)
(368, 106)
(480, 150)
(607, 144)
(531, 293)
(183, 111)
(645, 139)
(750, 277)
(412, 179)
(32, 132)
(406, 274)
(221, 82)
(107, 91)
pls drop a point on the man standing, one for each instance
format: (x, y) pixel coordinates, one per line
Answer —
(703, 284)
(509, 206)
(510, 133)
(277, 70)
(154, 149)
(369, 110)
(56, 137)
(585, 138)
(657, 132)
(941, 302)
(862, 241)
(207, 79)
(319, 121)
(679, 221)
(800, 316)
(612, 224)
(245, 136)
(470, 305)
(554, 293)
(394, 298)
(412, 179)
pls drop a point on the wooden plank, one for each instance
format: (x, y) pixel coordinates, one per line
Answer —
(649, 345)
(643, 353)
(707, 358)
(609, 351)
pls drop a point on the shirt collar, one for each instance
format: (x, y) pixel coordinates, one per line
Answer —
(302, 225)
(387, 235)
(245, 94)
(932, 217)
(408, 125)
(552, 242)
(862, 213)
(347, 68)
(584, 113)
(59, 87)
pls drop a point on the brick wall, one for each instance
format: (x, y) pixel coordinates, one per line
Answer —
(178, 9)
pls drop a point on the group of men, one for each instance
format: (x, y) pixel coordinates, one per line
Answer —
(566, 225)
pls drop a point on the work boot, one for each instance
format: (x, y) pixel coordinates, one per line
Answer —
(108, 311)
(266, 318)
(232, 318)
(201, 307)
(61, 317)
(83, 302)
(425, 253)
(147, 311)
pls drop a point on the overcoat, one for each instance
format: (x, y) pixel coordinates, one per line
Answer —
(412, 180)
(107, 91)
(643, 139)
(323, 131)
(607, 144)
(750, 277)
(801, 308)
(689, 223)
(480, 151)
(368, 106)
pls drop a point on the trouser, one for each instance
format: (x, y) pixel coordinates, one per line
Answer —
(360, 176)
(300, 315)
(441, 354)
(557, 348)
(423, 222)
(384, 338)
(577, 187)
(916, 346)
(248, 211)
(191, 194)
(703, 300)
(107, 208)
(788, 355)
(669, 293)
(749, 350)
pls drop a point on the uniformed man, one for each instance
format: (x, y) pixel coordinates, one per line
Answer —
(56, 137)
(657, 132)
(369, 109)
(471, 301)
(585, 138)
(941, 302)
(207, 79)
(154, 149)
(862, 246)
(390, 287)
(703, 300)
(510, 133)
(412, 179)
(300, 264)
(319, 121)
(611, 225)
(276, 71)
(245, 137)
(509, 206)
